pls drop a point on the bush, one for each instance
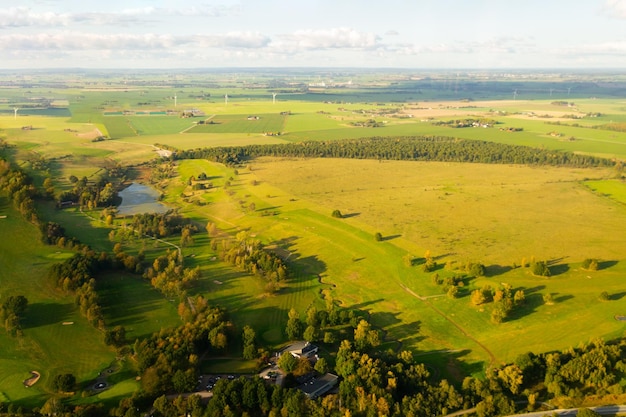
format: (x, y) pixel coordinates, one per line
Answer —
(64, 382)
(590, 264)
(378, 236)
(540, 268)
(337, 214)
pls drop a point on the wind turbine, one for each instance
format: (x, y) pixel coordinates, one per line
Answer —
(273, 98)
(225, 99)
(552, 89)
(514, 94)
(15, 109)
(175, 102)
(568, 90)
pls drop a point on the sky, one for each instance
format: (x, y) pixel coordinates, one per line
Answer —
(437, 34)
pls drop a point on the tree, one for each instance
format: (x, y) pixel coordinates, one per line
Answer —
(478, 297)
(321, 366)
(378, 237)
(184, 381)
(287, 362)
(453, 291)
(365, 337)
(294, 325)
(541, 269)
(64, 382)
(15, 304)
(590, 264)
(249, 348)
(115, 336)
(548, 299)
(475, 269)
(12, 311)
(587, 412)
(310, 334)
(337, 214)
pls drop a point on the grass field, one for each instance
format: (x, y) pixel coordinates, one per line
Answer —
(44, 346)
(491, 214)
(238, 123)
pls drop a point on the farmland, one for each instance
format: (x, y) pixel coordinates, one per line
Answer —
(498, 215)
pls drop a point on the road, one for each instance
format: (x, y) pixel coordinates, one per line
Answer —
(565, 412)
(604, 410)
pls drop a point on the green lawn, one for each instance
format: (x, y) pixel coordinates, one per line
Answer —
(44, 346)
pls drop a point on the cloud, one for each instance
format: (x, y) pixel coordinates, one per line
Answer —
(76, 41)
(25, 17)
(615, 48)
(322, 39)
(22, 16)
(615, 8)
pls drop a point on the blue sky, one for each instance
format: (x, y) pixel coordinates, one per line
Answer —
(451, 34)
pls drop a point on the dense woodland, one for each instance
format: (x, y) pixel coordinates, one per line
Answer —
(417, 148)
(373, 382)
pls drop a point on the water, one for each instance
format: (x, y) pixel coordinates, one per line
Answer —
(138, 198)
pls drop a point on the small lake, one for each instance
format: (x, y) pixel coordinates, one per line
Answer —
(138, 198)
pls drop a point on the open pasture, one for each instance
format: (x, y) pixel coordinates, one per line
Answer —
(253, 123)
(496, 215)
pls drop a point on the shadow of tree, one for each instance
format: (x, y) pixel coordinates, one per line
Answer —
(42, 314)
(607, 264)
(495, 270)
(617, 296)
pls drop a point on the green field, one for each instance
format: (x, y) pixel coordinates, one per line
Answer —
(44, 345)
(496, 215)
(238, 123)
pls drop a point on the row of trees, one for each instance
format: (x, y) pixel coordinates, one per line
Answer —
(415, 148)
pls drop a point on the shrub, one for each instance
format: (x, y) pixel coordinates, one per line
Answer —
(590, 264)
(64, 382)
(540, 268)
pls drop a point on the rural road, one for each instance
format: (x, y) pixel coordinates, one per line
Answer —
(604, 410)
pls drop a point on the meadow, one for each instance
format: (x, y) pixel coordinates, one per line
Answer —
(496, 215)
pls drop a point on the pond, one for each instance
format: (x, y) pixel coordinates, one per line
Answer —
(138, 198)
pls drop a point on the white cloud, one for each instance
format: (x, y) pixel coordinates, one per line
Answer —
(26, 17)
(615, 48)
(337, 38)
(615, 8)
(77, 41)
(22, 16)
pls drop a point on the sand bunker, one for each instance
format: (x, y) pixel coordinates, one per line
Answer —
(32, 380)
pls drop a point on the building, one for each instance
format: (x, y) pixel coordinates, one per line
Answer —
(320, 385)
(301, 349)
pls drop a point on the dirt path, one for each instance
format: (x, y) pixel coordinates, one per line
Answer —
(492, 358)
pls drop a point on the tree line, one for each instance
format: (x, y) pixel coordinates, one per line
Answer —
(404, 148)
